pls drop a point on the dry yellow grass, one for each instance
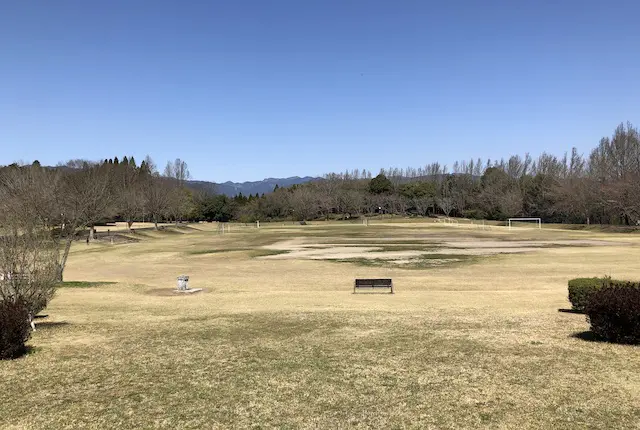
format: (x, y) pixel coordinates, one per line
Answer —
(283, 343)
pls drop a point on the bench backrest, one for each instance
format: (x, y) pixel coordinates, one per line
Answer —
(372, 283)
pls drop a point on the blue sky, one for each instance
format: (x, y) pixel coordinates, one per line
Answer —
(244, 90)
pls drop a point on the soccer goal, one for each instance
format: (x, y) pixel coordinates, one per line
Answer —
(536, 222)
(452, 221)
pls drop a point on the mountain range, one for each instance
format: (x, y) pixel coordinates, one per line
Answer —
(265, 186)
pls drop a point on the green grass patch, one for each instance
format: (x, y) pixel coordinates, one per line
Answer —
(253, 252)
(598, 228)
(216, 251)
(266, 252)
(169, 230)
(425, 261)
(83, 284)
(146, 233)
(403, 247)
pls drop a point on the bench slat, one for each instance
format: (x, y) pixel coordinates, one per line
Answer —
(373, 283)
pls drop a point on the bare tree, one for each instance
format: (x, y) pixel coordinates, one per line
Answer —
(32, 191)
(576, 198)
(576, 194)
(88, 197)
(180, 203)
(511, 203)
(156, 191)
(129, 193)
(447, 204)
(148, 166)
(83, 197)
(304, 203)
(422, 204)
(351, 202)
(31, 199)
(462, 191)
(327, 190)
(179, 197)
(178, 171)
(28, 265)
(29, 252)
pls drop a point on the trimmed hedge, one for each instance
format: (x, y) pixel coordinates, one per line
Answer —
(14, 329)
(581, 289)
(614, 312)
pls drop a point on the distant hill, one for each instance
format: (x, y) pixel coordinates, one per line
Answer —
(234, 188)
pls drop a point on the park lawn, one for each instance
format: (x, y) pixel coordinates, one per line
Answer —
(283, 343)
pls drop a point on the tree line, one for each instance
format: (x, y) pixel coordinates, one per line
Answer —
(602, 187)
(69, 200)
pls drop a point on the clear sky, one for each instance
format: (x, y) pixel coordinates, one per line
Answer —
(244, 90)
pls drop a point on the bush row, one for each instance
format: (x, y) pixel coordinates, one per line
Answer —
(581, 289)
(614, 312)
(612, 307)
(14, 328)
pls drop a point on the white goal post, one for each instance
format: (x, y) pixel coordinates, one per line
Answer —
(537, 220)
(452, 221)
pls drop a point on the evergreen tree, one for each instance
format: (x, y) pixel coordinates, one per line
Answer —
(116, 161)
(125, 161)
(380, 185)
(144, 169)
(132, 162)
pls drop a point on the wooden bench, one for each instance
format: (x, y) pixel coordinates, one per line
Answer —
(373, 284)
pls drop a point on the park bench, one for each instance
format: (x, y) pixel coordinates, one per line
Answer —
(373, 284)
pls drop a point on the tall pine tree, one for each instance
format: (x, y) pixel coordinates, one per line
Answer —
(144, 169)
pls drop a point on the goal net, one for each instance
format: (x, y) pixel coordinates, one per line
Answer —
(525, 222)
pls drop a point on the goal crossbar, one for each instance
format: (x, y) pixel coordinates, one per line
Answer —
(538, 220)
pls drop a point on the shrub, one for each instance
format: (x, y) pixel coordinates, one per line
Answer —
(581, 289)
(614, 312)
(29, 267)
(14, 329)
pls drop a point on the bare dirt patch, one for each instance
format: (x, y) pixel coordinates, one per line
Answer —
(366, 249)
(476, 243)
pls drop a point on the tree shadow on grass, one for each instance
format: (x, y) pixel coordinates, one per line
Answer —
(51, 325)
(588, 336)
(570, 311)
(28, 350)
(84, 284)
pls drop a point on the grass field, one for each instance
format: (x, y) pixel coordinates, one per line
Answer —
(471, 339)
